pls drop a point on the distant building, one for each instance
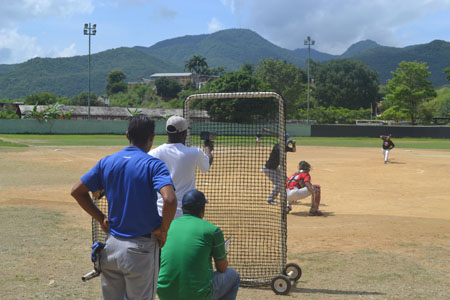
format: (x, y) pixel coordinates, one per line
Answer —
(113, 113)
(183, 78)
(203, 79)
(13, 106)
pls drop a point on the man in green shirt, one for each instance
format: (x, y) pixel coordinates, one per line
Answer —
(186, 271)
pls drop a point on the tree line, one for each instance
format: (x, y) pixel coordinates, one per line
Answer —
(342, 90)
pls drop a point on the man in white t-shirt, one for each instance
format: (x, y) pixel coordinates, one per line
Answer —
(181, 160)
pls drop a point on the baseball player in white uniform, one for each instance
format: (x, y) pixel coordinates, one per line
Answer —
(181, 160)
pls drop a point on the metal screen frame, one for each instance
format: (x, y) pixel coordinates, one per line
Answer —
(282, 143)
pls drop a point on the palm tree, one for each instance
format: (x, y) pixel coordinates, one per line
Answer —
(196, 64)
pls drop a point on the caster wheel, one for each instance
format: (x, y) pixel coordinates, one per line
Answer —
(293, 271)
(281, 285)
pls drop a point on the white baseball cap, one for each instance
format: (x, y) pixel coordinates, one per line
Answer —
(176, 124)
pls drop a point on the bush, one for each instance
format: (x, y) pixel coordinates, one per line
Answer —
(395, 113)
(4, 114)
(333, 115)
(49, 112)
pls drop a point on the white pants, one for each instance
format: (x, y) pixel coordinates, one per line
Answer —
(297, 194)
(386, 154)
(274, 176)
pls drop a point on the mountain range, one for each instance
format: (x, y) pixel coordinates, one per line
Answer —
(229, 48)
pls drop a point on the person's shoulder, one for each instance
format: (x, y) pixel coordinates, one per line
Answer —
(115, 155)
(210, 226)
(192, 150)
(157, 150)
(152, 160)
(199, 221)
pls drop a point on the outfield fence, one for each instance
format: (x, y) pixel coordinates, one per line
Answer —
(14, 126)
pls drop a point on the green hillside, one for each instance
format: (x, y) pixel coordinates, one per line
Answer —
(69, 76)
(386, 59)
(230, 48)
(5, 68)
(233, 47)
(359, 47)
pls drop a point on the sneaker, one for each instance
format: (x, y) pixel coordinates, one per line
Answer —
(288, 209)
(316, 213)
(271, 202)
(385, 162)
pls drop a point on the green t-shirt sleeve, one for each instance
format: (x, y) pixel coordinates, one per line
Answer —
(218, 250)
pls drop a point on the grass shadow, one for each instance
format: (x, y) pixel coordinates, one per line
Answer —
(333, 292)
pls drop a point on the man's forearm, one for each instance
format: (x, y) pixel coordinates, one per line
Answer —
(168, 213)
(81, 194)
(208, 153)
(169, 206)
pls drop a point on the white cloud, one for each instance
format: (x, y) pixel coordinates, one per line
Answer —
(16, 48)
(334, 25)
(231, 4)
(214, 25)
(14, 12)
(164, 12)
(66, 52)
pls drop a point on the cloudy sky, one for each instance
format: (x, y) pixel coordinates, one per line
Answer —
(54, 28)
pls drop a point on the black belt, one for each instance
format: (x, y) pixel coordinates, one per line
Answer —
(148, 235)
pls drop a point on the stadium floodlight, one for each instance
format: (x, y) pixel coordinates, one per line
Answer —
(88, 30)
(309, 43)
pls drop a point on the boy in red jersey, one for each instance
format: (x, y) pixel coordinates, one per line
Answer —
(299, 186)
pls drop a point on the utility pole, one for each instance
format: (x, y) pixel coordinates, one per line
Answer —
(88, 30)
(309, 43)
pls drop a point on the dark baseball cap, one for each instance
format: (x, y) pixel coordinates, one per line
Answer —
(193, 199)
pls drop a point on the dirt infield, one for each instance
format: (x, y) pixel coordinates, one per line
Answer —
(385, 233)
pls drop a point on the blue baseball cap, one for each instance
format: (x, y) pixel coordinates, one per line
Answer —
(287, 136)
(193, 199)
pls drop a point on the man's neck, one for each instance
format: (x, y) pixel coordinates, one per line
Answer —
(143, 148)
(169, 141)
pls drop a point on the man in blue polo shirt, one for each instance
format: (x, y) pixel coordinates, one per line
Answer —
(131, 178)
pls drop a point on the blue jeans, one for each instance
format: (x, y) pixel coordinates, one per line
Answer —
(225, 285)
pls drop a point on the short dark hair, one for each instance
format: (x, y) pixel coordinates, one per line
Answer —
(195, 211)
(140, 128)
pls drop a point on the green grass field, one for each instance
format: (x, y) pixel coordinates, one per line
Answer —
(10, 144)
(23, 140)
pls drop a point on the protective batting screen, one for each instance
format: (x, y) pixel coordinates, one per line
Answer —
(237, 186)
(102, 203)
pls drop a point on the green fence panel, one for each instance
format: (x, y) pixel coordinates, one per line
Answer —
(70, 127)
(298, 130)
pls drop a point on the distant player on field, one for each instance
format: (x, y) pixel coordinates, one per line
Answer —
(388, 145)
(181, 160)
(272, 170)
(299, 186)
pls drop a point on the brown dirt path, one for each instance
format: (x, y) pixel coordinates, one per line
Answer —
(402, 207)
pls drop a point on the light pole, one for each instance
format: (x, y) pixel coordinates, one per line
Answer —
(309, 43)
(88, 30)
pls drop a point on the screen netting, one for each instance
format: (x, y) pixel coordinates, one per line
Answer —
(236, 185)
(101, 202)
